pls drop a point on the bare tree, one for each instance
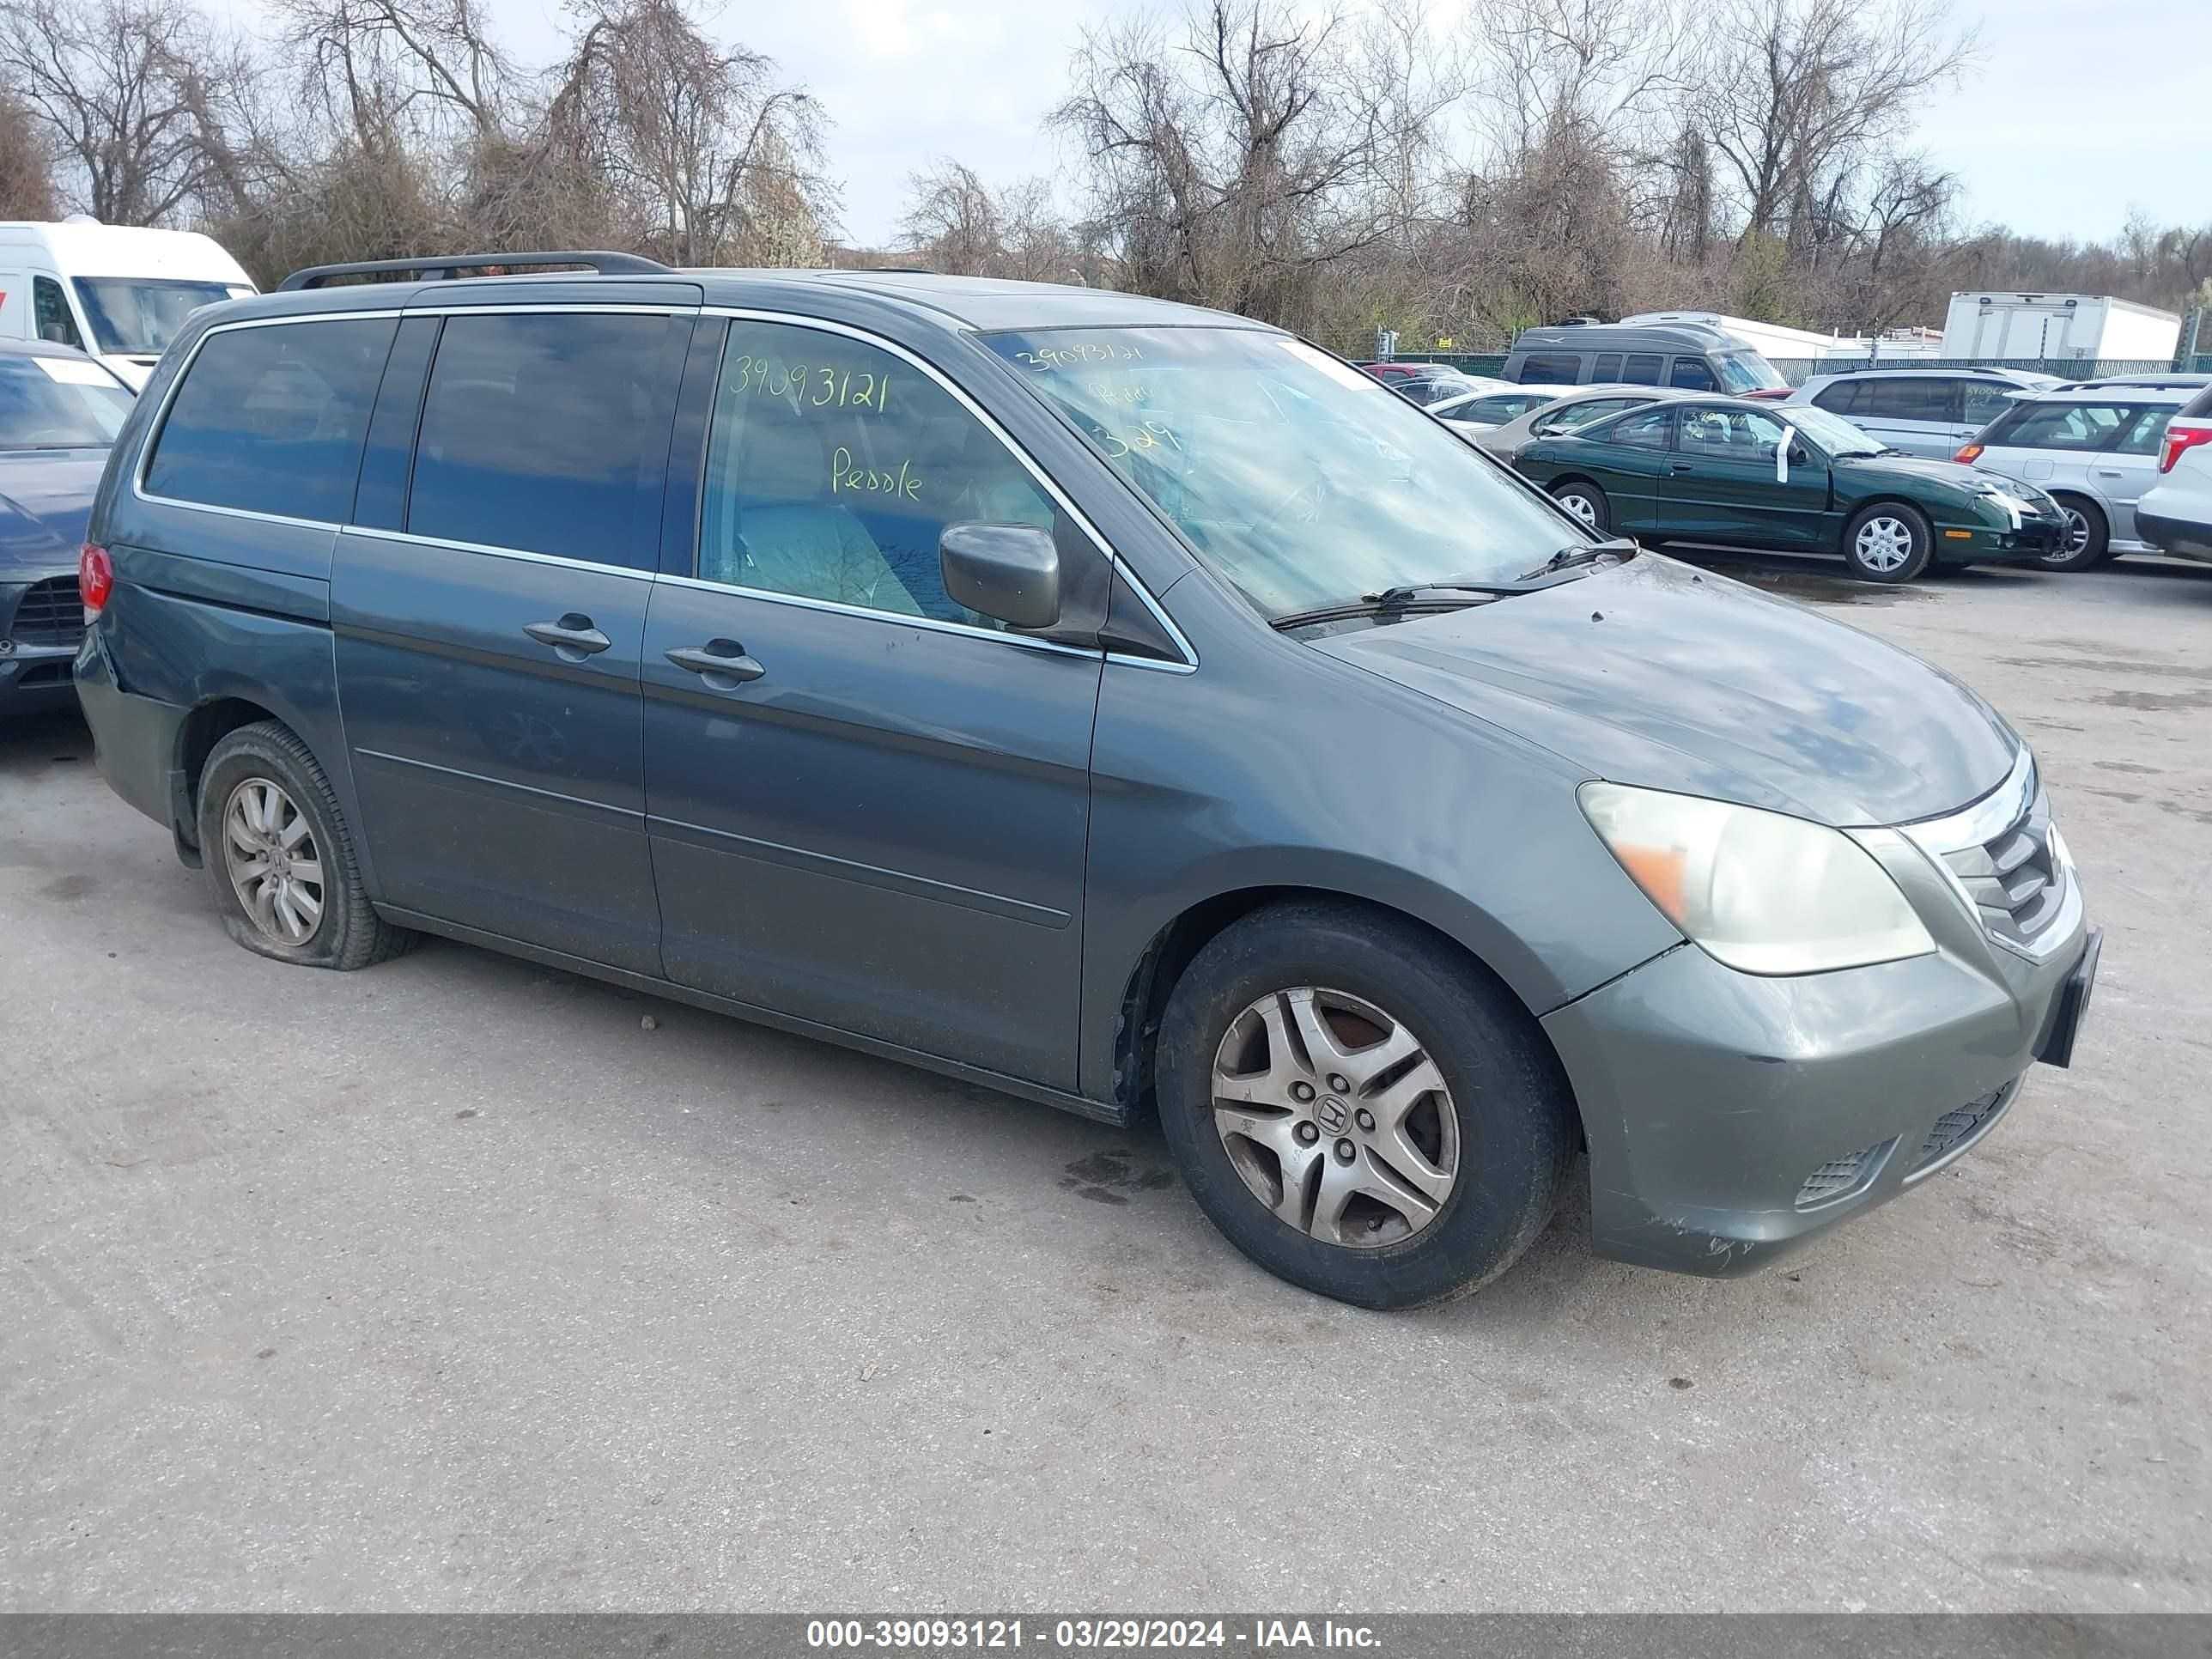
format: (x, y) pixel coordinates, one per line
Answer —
(27, 165)
(720, 153)
(119, 90)
(1236, 156)
(1793, 95)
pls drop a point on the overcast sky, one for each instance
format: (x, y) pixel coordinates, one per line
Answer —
(2075, 113)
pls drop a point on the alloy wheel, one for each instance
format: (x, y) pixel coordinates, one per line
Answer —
(269, 853)
(2077, 536)
(1335, 1117)
(1885, 543)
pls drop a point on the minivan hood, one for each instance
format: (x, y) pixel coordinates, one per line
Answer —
(1659, 675)
(46, 498)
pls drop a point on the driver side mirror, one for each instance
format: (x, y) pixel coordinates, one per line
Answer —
(1008, 572)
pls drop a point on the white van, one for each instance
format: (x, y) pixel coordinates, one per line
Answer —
(118, 292)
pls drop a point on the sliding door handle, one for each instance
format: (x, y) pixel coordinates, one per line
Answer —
(574, 636)
(718, 660)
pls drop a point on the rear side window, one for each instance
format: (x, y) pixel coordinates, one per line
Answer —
(1608, 367)
(1643, 368)
(2066, 426)
(1645, 431)
(1983, 401)
(2199, 407)
(538, 431)
(1563, 370)
(1844, 398)
(1691, 373)
(270, 419)
(1911, 397)
(2145, 431)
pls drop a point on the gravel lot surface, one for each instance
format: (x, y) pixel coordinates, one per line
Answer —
(461, 1283)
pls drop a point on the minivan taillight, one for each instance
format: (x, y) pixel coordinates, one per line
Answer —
(95, 579)
(1969, 455)
(2180, 437)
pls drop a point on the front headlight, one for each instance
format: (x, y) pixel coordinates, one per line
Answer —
(1761, 892)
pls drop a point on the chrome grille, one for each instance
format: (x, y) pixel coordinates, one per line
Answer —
(49, 613)
(2013, 878)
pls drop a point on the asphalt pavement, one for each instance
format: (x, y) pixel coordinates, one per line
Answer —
(459, 1283)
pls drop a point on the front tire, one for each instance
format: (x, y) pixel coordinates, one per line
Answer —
(280, 858)
(1889, 543)
(1358, 1108)
(2088, 537)
(1587, 502)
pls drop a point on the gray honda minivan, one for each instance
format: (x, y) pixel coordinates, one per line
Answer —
(1125, 706)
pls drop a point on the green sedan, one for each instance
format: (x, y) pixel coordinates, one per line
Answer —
(1734, 472)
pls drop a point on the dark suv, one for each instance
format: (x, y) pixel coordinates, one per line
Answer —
(1076, 694)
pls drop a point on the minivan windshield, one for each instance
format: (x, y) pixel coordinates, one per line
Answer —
(138, 316)
(1302, 480)
(59, 403)
(1747, 371)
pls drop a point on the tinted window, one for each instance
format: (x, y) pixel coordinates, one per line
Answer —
(1643, 368)
(2144, 432)
(1910, 397)
(1553, 371)
(1691, 372)
(538, 431)
(1581, 413)
(834, 467)
(54, 402)
(270, 419)
(1843, 398)
(1498, 407)
(1426, 392)
(1608, 367)
(1983, 401)
(2065, 426)
(2199, 406)
(1645, 431)
(54, 320)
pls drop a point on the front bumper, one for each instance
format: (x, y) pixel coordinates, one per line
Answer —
(1984, 545)
(35, 677)
(1731, 1117)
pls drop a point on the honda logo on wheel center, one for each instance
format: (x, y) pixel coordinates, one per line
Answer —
(1332, 1114)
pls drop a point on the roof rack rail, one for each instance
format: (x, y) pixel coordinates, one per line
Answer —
(438, 267)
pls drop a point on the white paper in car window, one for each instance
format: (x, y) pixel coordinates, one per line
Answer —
(73, 371)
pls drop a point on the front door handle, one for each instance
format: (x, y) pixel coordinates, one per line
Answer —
(721, 663)
(573, 637)
(1682, 467)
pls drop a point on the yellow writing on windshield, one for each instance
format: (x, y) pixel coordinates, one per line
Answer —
(810, 386)
(847, 476)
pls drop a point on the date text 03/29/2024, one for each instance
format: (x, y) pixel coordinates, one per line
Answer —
(1253, 1634)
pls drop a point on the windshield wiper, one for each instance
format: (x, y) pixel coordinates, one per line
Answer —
(1567, 558)
(1395, 601)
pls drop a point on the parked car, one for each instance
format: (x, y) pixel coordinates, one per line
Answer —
(1062, 691)
(2095, 449)
(1476, 411)
(1578, 407)
(59, 411)
(2157, 381)
(1427, 383)
(1921, 412)
(1692, 356)
(2175, 514)
(1732, 472)
(118, 291)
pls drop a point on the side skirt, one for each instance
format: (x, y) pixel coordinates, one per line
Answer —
(1081, 1105)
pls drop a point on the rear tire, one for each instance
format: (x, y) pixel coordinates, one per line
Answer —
(1888, 542)
(1587, 502)
(2088, 537)
(280, 858)
(1360, 1109)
